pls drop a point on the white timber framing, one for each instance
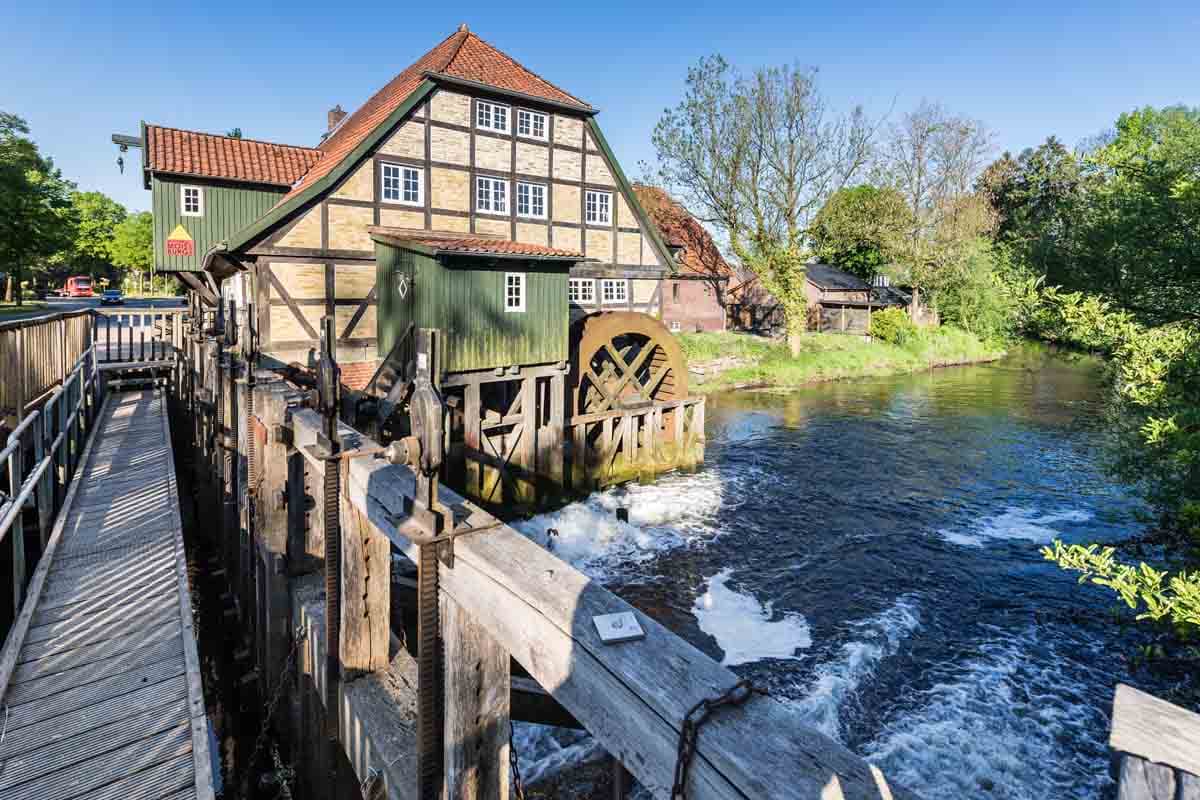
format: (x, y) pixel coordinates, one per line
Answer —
(632, 697)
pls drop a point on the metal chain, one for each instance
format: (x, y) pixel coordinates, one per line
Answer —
(736, 695)
(297, 639)
(514, 767)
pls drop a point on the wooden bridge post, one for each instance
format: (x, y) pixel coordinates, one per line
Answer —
(477, 685)
(366, 594)
(273, 511)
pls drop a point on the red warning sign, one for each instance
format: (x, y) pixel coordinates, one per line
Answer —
(180, 243)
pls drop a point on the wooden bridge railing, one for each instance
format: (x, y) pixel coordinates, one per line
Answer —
(138, 335)
(611, 446)
(36, 354)
(39, 459)
(504, 596)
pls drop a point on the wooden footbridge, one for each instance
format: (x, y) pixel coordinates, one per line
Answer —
(100, 689)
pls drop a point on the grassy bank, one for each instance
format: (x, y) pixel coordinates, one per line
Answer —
(824, 357)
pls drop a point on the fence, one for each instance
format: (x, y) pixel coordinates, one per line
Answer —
(35, 355)
(39, 460)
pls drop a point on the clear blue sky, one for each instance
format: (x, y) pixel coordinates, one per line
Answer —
(81, 71)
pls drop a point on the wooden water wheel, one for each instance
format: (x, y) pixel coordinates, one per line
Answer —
(624, 359)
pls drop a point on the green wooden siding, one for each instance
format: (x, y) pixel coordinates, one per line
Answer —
(227, 209)
(465, 299)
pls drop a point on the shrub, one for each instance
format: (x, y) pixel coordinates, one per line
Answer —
(892, 325)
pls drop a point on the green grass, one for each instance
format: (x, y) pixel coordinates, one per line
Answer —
(28, 305)
(827, 357)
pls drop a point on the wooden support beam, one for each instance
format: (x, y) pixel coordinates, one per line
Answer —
(553, 450)
(273, 514)
(472, 438)
(477, 708)
(366, 595)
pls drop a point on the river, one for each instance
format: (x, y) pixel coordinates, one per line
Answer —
(869, 551)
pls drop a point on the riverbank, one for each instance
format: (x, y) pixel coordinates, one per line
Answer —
(720, 361)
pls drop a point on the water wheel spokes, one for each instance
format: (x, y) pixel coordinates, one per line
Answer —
(627, 360)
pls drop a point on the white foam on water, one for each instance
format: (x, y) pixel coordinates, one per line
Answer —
(745, 629)
(1014, 523)
(836, 682)
(544, 751)
(671, 513)
(1007, 723)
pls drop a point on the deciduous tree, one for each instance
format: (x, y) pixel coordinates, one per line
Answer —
(861, 228)
(133, 245)
(36, 216)
(755, 156)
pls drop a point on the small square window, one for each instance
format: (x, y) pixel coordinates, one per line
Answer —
(491, 195)
(491, 116)
(614, 290)
(581, 290)
(598, 208)
(192, 201)
(531, 124)
(531, 200)
(514, 291)
(402, 185)
(675, 326)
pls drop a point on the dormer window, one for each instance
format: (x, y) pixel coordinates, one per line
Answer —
(192, 201)
(491, 116)
(531, 124)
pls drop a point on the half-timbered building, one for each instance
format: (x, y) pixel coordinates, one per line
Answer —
(464, 143)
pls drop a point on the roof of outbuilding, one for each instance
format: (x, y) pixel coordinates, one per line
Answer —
(207, 155)
(463, 56)
(828, 277)
(478, 246)
(700, 254)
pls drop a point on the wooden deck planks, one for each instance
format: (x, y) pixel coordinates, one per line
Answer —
(100, 681)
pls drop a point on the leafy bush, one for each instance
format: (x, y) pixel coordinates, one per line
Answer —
(892, 325)
(970, 293)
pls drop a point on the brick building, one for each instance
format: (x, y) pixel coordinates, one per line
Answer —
(694, 293)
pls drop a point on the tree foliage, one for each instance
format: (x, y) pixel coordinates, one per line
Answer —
(861, 229)
(36, 214)
(96, 217)
(755, 156)
(133, 244)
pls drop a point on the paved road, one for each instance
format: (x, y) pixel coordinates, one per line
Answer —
(55, 304)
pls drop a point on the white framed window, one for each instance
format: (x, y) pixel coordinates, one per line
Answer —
(191, 201)
(514, 291)
(614, 290)
(531, 200)
(491, 116)
(401, 184)
(491, 195)
(531, 124)
(675, 326)
(598, 208)
(581, 290)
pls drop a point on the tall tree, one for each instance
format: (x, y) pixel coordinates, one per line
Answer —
(133, 245)
(861, 228)
(1035, 197)
(932, 158)
(96, 219)
(36, 216)
(755, 156)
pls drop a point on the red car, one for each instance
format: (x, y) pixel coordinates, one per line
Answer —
(78, 286)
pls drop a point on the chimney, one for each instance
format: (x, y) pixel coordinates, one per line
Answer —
(336, 115)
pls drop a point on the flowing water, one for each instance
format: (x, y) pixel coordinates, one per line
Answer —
(870, 552)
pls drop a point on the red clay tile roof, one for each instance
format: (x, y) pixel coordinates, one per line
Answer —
(489, 247)
(357, 375)
(205, 155)
(700, 255)
(461, 55)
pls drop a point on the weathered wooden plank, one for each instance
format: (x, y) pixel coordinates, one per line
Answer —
(366, 595)
(24, 767)
(99, 651)
(116, 616)
(150, 621)
(1145, 726)
(83, 778)
(32, 680)
(106, 689)
(476, 711)
(1144, 780)
(540, 609)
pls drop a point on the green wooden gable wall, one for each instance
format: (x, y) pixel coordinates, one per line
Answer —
(227, 209)
(464, 298)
